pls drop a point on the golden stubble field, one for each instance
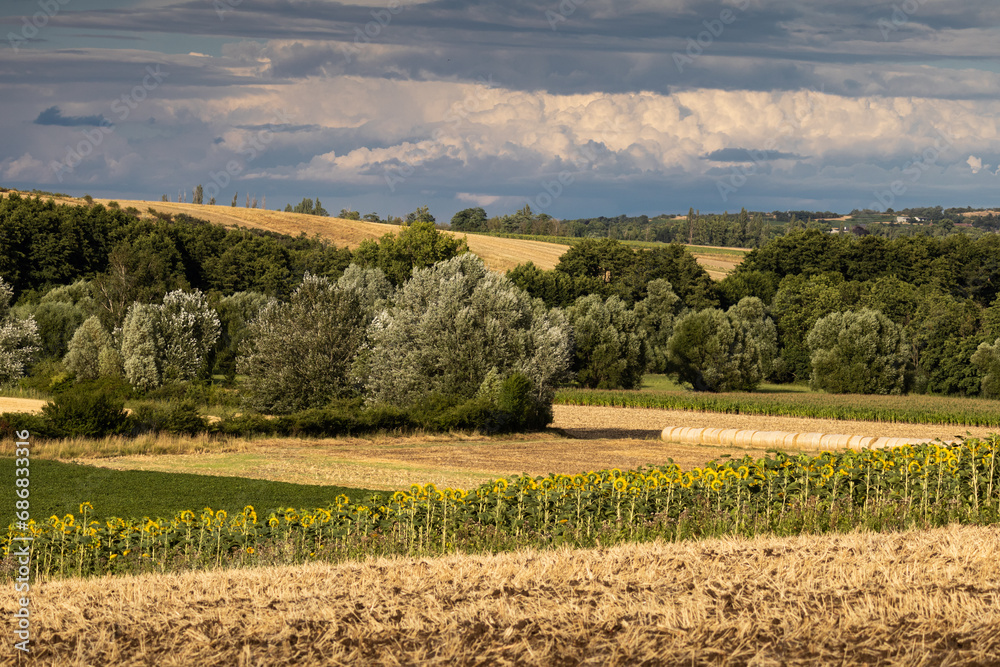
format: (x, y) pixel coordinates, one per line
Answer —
(916, 598)
(497, 253)
(583, 438)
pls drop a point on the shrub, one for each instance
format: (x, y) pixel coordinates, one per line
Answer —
(180, 418)
(90, 409)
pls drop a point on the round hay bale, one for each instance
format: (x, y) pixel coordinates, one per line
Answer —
(808, 440)
(834, 441)
(710, 436)
(728, 436)
(860, 442)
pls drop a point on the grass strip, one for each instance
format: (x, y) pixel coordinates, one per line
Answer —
(59, 488)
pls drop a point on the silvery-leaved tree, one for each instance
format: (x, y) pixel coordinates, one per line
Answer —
(83, 357)
(858, 352)
(19, 339)
(370, 284)
(715, 350)
(168, 342)
(453, 325)
(298, 355)
(189, 327)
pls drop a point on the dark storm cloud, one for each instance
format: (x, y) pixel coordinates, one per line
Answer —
(582, 46)
(749, 155)
(53, 116)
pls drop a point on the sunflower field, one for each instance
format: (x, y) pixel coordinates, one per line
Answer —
(912, 486)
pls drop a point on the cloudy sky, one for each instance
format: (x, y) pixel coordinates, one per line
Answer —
(578, 107)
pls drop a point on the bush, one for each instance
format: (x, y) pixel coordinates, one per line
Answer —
(244, 425)
(13, 422)
(179, 418)
(89, 409)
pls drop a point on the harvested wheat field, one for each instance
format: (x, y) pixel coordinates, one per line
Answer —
(497, 253)
(21, 404)
(393, 463)
(915, 598)
(582, 421)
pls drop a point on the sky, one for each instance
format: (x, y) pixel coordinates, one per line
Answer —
(577, 108)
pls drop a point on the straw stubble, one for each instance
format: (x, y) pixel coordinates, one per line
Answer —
(925, 597)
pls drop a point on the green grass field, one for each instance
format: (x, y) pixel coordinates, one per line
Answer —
(59, 488)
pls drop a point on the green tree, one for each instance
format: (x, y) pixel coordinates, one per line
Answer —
(141, 346)
(199, 195)
(451, 326)
(168, 342)
(422, 214)
(987, 361)
(189, 328)
(858, 352)
(298, 355)
(656, 314)
(235, 311)
(798, 304)
(349, 215)
(417, 246)
(374, 290)
(610, 348)
(724, 351)
(469, 220)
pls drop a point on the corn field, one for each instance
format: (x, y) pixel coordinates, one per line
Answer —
(921, 485)
(892, 409)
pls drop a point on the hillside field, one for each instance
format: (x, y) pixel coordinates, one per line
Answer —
(499, 254)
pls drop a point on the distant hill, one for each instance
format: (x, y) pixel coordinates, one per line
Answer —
(499, 254)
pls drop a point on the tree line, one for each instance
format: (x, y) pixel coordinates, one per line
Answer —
(413, 319)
